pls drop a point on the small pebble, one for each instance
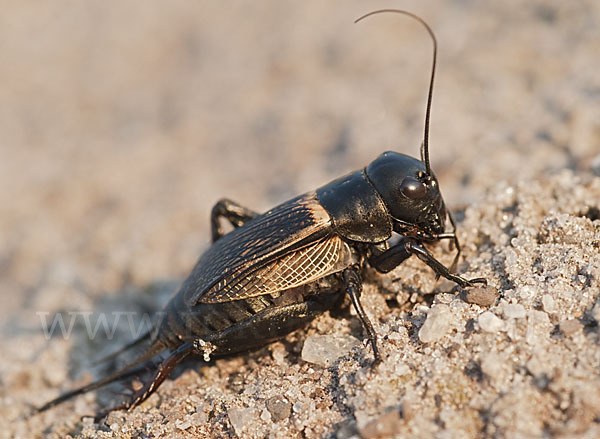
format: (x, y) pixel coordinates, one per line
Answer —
(548, 303)
(492, 365)
(514, 311)
(438, 323)
(265, 415)
(527, 293)
(298, 407)
(402, 369)
(482, 296)
(183, 424)
(570, 327)
(241, 418)
(384, 426)
(279, 407)
(326, 349)
(278, 352)
(537, 318)
(489, 322)
(198, 418)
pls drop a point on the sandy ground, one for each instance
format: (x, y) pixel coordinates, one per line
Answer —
(122, 124)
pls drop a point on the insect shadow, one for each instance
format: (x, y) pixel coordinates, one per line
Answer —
(97, 339)
(96, 336)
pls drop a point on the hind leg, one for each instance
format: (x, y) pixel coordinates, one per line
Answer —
(265, 326)
(234, 213)
(160, 374)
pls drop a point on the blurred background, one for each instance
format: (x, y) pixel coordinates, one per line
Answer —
(121, 125)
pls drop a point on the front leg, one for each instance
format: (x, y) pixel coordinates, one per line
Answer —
(386, 260)
(230, 210)
(439, 268)
(393, 257)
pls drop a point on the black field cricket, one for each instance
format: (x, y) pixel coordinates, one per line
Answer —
(278, 270)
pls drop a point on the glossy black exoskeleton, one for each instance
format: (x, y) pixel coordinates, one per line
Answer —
(276, 271)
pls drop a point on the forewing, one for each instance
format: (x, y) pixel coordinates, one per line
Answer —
(280, 230)
(316, 260)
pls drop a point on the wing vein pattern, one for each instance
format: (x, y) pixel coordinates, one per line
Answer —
(292, 270)
(228, 267)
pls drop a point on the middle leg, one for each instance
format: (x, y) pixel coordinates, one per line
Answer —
(354, 289)
(236, 214)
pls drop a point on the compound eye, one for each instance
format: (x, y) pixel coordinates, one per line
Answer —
(413, 188)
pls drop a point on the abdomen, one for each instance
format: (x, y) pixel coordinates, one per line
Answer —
(241, 325)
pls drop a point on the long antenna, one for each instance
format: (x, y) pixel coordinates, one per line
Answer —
(425, 144)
